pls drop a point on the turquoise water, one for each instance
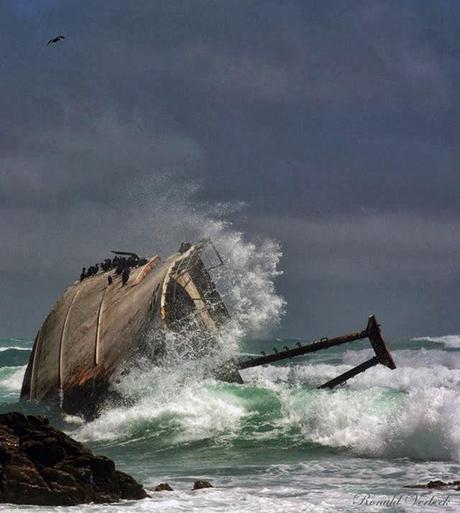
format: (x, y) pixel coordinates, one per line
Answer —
(276, 443)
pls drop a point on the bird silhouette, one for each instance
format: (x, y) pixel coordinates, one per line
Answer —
(55, 40)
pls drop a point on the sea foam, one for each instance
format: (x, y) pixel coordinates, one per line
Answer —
(446, 340)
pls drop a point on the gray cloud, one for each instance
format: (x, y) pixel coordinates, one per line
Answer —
(335, 124)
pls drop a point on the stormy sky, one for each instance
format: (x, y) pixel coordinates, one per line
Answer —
(330, 126)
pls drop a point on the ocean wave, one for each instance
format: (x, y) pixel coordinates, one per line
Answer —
(446, 340)
(14, 348)
(11, 381)
(369, 419)
(194, 412)
(410, 358)
(422, 424)
(418, 373)
(11, 357)
(12, 339)
(410, 412)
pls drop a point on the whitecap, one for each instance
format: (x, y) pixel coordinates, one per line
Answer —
(447, 340)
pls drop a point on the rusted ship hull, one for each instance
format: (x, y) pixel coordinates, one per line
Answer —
(96, 328)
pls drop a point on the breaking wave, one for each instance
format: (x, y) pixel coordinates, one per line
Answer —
(14, 348)
(412, 412)
(10, 382)
(247, 280)
(177, 409)
(381, 413)
(446, 340)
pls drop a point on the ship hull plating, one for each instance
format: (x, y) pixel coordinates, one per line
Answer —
(97, 328)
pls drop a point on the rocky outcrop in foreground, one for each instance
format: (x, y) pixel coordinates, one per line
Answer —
(43, 466)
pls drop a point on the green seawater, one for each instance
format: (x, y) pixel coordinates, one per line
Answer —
(276, 443)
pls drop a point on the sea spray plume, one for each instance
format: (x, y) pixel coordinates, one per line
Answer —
(247, 280)
(175, 396)
(172, 213)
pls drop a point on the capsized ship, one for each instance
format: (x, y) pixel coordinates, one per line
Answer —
(102, 325)
(97, 327)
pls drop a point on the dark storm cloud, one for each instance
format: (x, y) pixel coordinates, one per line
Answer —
(335, 122)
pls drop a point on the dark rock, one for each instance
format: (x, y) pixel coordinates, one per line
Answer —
(4, 455)
(82, 460)
(43, 466)
(163, 487)
(57, 477)
(436, 484)
(37, 420)
(202, 484)
(45, 452)
(101, 466)
(129, 487)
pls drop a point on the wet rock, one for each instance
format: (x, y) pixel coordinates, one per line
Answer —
(43, 466)
(45, 452)
(163, 487)
(198, 485)
(437, 484)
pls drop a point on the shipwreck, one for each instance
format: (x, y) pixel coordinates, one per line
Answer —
(104, 323)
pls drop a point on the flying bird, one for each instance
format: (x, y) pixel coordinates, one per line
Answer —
(55, 40)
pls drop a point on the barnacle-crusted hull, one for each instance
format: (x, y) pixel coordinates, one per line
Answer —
(95, 328)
